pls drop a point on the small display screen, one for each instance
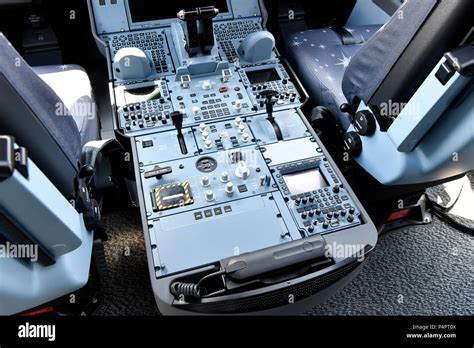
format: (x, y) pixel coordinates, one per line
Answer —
(305, 182)
(260, 76)
(146, 10)
(139, 95)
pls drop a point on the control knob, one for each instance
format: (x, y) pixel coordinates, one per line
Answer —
(224, 177)
(202, 127)
(210, 196)
(242, 171)
(208, 144)
(229, 189)
(205, 182)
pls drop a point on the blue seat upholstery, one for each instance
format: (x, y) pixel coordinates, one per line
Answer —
(321, 59)
(42, 116)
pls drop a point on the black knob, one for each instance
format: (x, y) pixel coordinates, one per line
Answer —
(330, 215)
(350, 218)
(352, 211)
(311, 229)
(311, 213)
(298, 201)
(304, 216)
(343, 213)
(364, 122)
(304, 201)
(336, 215)
(336, 189)
(311, 199)
(325, 225)
(353, 143)
(318, 212)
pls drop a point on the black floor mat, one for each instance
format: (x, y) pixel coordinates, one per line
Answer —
(422, 270)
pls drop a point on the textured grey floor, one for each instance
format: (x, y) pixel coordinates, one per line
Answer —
(421, 270)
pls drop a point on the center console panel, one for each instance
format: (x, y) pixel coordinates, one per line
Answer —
(229, 172)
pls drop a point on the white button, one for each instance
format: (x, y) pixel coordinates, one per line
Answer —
(208, 144)
(229, 189)
(205, 182)
(205, 135)
(242, 128)
(238, 121)
(202, 127)
(210, 196)
(224, 177)
(238, 105)
(245, 137)
(242, 170)
(206, 85)
(196, 111)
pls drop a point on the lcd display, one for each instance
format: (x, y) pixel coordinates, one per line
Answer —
(305, 182)
(260, 76)
(146, 10)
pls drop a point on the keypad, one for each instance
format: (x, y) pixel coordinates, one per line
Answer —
(227, 33)
(152, 42)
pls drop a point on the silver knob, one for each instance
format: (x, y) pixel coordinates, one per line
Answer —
(238, 121)
(208, 144)
(210, 196)
(224, 177)
(205, 182)
(229, 189)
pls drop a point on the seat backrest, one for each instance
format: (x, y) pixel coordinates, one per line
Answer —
(393, 64)
(32, 113)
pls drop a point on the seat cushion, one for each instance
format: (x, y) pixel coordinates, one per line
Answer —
(320, 60)
(72, 85)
